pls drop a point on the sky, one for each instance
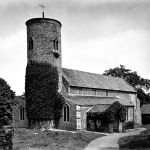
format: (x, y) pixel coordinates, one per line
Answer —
(96, 35)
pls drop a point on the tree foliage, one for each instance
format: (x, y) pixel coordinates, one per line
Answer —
(132, 78)
(43, 102)
(6, 95)
(5, 115)
(5, 90)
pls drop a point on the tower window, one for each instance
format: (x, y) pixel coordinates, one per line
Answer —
(30, 43)
(55, 44)
(66, 113)
(22, 110)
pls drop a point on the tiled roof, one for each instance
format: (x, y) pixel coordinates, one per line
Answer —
(91, 100)
(91, 80)
(145, 109)
(98, 108)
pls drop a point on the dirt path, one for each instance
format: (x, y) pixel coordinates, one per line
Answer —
(110, 142)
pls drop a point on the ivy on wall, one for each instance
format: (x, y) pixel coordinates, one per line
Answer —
(116, 111)
(43, 102)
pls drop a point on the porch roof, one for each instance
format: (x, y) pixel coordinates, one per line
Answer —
(98, 108)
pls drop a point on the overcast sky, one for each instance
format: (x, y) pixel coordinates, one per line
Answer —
(96, 35)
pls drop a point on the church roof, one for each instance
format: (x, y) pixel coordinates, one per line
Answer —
(145, 109)
(92, 100)
(91, 80)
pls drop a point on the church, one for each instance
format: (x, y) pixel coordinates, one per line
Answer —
(85, 93)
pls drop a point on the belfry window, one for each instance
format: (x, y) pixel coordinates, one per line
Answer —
(66, 113)
(55, 44)
(30, 43)
(22, 110)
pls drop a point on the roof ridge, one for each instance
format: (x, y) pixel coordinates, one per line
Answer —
(94, 80)
(92, 73)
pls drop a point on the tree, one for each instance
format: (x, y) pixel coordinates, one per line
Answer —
(132, 78)
(5, 90)
(6, 96)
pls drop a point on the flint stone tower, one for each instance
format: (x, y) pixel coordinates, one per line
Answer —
(44, 43)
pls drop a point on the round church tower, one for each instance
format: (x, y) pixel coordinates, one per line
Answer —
(44, 42)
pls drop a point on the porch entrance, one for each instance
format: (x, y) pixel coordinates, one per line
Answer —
(106, 118)
(116, 126)
(99, 126)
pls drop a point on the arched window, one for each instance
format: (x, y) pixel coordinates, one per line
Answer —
(66, 113)
(22, 110)
(30, 43)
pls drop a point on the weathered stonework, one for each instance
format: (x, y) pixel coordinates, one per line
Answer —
(71, 125)
(43, 32)
(17, 122)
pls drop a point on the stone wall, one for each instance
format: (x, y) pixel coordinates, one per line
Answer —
(84, 110)
(133, 98)
(6, 140)
(17, 122)
(43, 32)
(71, 124)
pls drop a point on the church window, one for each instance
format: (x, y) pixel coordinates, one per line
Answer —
(55, 44)
(78, 114)
(22, 111)
(66, 113)
(74, 90)
(78, 123)
(30, 43)
(106, 93)
(80, 91)
(100, 93)
(88, 92)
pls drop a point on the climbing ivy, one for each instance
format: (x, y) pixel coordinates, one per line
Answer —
(115, 112)
(43, 102)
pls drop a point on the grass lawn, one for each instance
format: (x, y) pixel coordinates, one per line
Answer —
(26, 139)
(136, 141)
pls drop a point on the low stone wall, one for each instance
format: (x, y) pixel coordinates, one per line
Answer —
(6, 139)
